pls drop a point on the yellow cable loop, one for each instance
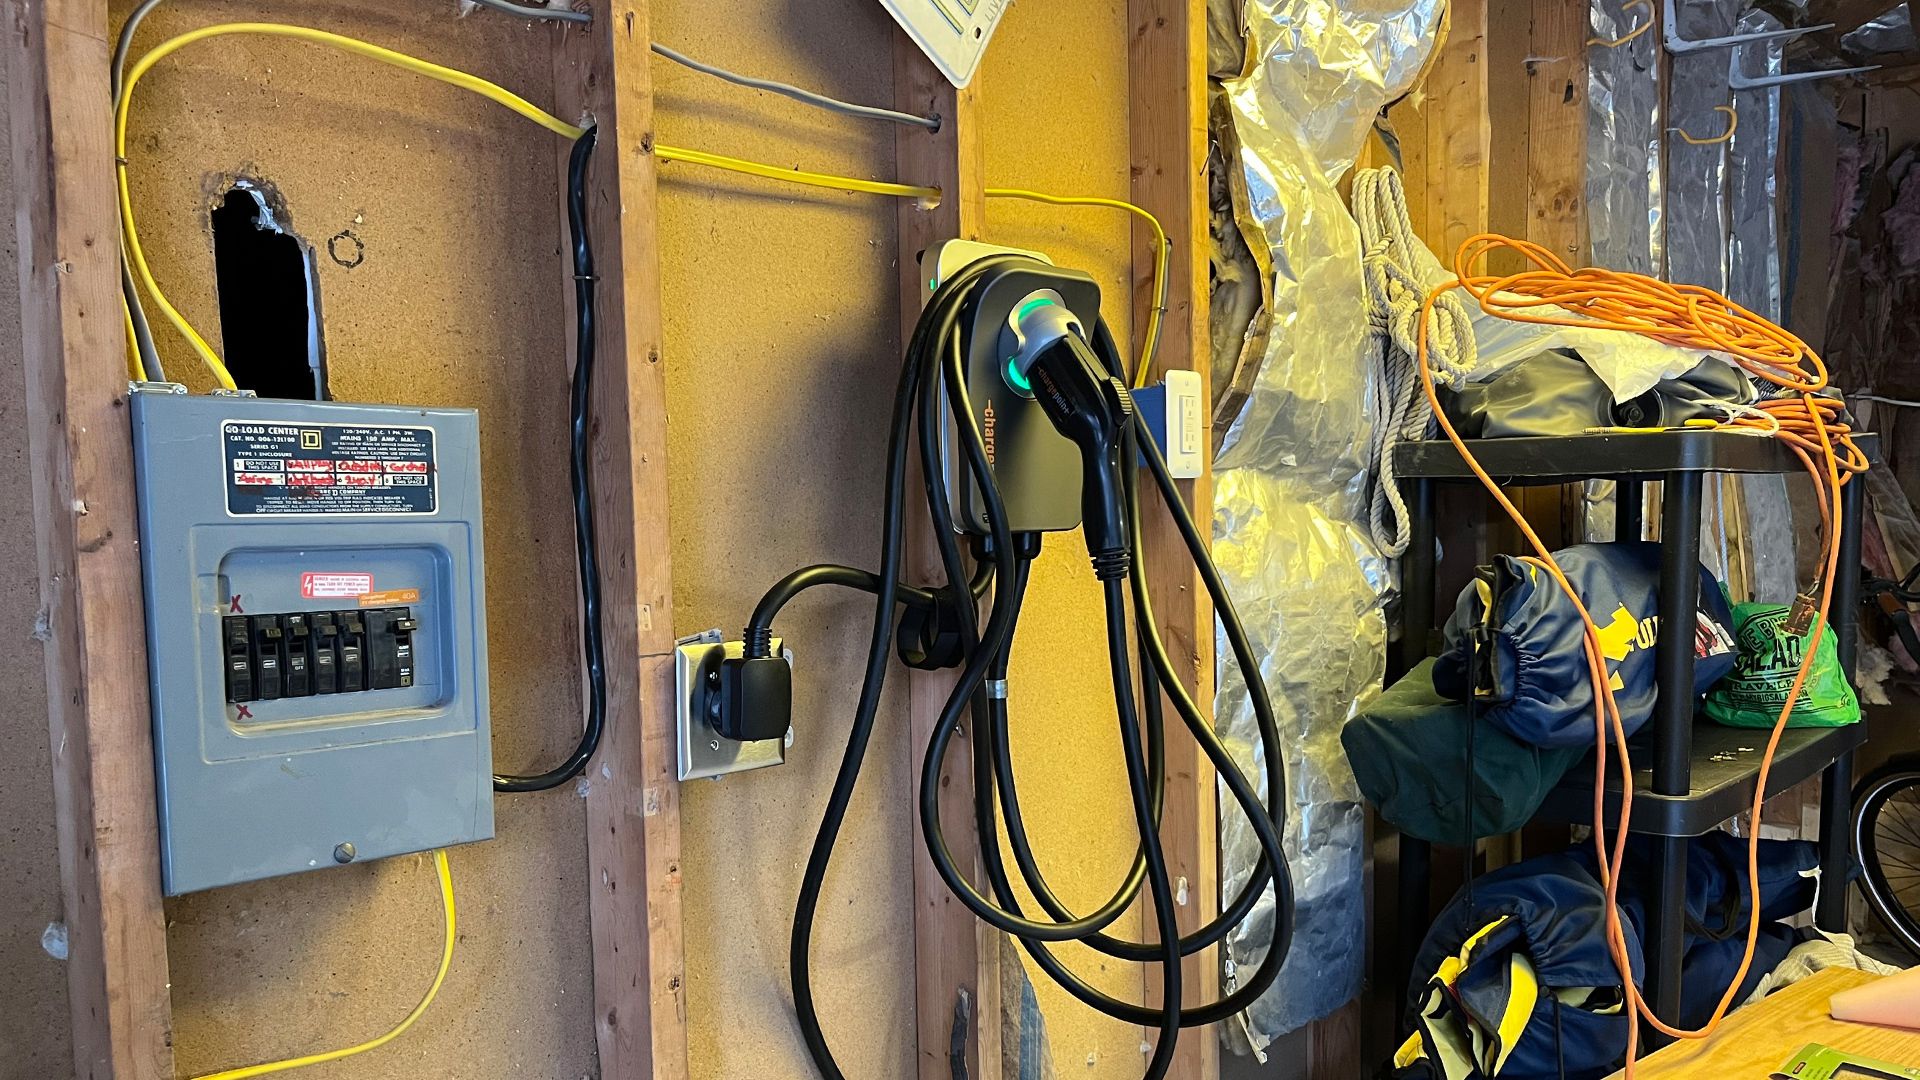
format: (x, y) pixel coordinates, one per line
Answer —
(1162, 250)
(1733, 125)
(504, 97)
(446, 961)
(1631, 34)
(123, 107)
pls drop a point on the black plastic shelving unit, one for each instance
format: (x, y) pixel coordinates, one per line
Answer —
(1699, 774)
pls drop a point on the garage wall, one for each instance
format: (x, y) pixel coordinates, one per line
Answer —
(33, 1023)
(783, 344)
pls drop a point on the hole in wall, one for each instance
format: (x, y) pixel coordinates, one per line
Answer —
(269, 296)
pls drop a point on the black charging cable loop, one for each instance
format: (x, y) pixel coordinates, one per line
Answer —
(934, 360)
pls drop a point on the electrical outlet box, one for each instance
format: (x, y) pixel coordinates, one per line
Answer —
(704, 752)
(953, 33)
(316, 635)
(1036, 468)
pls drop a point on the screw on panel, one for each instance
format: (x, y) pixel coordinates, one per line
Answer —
(343, 853)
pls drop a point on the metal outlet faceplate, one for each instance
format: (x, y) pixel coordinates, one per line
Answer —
(703, 751)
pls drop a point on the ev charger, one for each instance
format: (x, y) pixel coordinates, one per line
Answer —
(316, 633)
(1036, 468)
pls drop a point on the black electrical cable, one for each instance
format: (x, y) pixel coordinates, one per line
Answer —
(933, 364)
(1250, 893)
(993, 776)
(1267, 823)
(580, 472)
(990, 714)
(1266, 826)
(999, 623)
(994, 641)
(878, 653)
(759, 632)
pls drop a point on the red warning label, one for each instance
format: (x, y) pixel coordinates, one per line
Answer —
(318, 586)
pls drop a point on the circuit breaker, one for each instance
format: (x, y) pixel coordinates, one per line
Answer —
(316, 632)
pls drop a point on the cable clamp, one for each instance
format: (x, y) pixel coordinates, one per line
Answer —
(586, 277)
(997, 689)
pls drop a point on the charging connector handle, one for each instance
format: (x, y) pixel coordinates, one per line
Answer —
(1095, 411)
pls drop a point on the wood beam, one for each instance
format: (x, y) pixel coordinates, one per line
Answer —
(85, 529)
(633, 803)
(1556, 129)
(954, 953)
(1167, 47)
(1557, 173)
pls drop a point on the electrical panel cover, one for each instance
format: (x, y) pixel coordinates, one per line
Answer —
(316, 632)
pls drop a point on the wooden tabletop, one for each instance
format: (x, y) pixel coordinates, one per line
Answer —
(1754, 1041)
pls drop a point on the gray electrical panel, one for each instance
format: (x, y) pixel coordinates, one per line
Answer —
(316, 632)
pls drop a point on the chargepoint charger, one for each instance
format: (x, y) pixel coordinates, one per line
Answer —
(1012, 400)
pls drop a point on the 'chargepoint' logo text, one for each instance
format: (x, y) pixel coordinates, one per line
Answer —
(987, 424)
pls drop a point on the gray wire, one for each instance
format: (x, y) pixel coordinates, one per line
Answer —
(556, 14)
(806, 97)
(142, 329)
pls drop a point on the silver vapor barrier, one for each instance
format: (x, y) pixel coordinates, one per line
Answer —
(1290, 481)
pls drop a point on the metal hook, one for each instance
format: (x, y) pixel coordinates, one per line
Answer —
(1670, 32)
(1739, 80)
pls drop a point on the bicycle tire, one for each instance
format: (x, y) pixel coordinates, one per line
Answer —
(1895, 896)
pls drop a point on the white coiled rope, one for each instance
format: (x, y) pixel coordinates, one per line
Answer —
(1394, 295)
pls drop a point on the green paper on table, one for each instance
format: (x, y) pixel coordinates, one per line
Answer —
(1769, 657)
(1816, 1062)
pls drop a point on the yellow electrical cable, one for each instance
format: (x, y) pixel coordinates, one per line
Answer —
(504, 97)
(123, 107)
(1161, 251)
(1733, 125)
(1631, 34)
(446, 961)
(794, 176)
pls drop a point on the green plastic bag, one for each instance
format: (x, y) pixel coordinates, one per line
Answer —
(1752, 695)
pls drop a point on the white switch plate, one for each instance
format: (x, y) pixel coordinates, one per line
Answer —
(953, 33)
(1186, 447)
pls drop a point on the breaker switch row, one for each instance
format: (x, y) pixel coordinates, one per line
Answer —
(301, 654)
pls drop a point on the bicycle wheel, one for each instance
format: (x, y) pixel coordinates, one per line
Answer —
(1886, 836)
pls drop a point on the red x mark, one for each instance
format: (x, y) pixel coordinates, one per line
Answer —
(243, 713)
(235, 606)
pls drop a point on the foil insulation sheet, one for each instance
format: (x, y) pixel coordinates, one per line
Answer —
(1290, 478)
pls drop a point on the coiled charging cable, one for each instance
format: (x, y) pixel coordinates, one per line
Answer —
(935, 363)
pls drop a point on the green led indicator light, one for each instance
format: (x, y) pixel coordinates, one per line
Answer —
(1015, 379)
(933, 284)
(1037, 302)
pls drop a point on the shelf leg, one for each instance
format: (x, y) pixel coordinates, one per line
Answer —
(1673, 726)
(1666, 942)
(1629, 502)
(1836, 783)
(1417, 574)
(1416, 881)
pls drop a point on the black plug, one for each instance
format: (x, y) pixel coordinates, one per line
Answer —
(1094, 410)
(754, 698)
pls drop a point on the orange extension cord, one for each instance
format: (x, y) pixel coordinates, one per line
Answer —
(1696, 318)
